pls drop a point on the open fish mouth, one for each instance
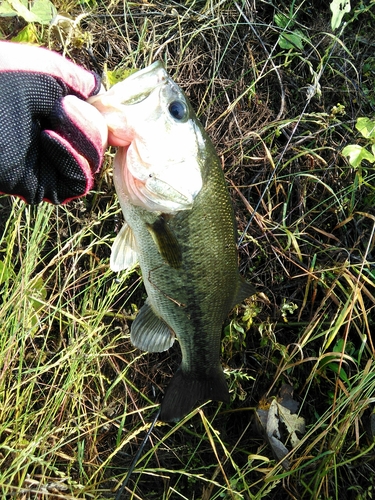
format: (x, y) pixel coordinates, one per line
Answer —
(160, 191)
(172, 189)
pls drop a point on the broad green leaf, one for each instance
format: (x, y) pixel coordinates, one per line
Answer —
(20, 9)
(41, 11)
(26, 35)
(44, 11)
(238, 327)
(366, 127)
(39, 294)
(339, 8)
(282, 21)
(6, 10)
(339, 345)
(356, 154)
(341, 373)
(118, 75)
(291, 40)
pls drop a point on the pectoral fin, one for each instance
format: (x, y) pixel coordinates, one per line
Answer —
(123, 254)
(149, 332)
(166, 242)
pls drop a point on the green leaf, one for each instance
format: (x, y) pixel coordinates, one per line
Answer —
(366, 127)
(38, 294)
(291, 40)
(18, 8)
(6, 10)
(339, 8)
(288, 39)
(4, 272)
(118, 75)
(41, 11)
(238, 327)
(339, 345)
(341, 373)
(44, 11)
(27, 35)
(283, 21)
(356, 154)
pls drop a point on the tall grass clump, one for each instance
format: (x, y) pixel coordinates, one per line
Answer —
(61, 345)
(280, 87)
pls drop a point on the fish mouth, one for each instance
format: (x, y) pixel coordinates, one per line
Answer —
(172, 198)
(172, 189)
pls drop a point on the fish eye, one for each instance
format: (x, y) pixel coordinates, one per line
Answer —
(178, 110)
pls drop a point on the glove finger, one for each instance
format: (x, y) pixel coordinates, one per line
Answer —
(30, 59)
(83, 126)
(56, 172)
(64, 173)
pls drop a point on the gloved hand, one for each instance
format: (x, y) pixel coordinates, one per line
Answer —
(51, 141)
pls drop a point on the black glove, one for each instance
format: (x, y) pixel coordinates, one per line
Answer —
(51, 141)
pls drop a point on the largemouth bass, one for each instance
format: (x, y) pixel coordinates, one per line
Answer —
(179, 225)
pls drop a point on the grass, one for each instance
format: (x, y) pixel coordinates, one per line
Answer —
(280, 98)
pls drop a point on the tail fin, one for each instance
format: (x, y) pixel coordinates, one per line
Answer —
(186, 389)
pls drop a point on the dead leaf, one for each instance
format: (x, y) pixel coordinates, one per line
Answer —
(274, 435)
(293, 423)
(278, 411)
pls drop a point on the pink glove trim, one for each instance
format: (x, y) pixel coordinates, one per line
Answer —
(81, 161)
(23, 57)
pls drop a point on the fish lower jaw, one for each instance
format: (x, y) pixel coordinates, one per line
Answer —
(153, 197)
(154, 201)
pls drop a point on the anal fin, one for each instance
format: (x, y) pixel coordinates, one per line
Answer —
(149, 332)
